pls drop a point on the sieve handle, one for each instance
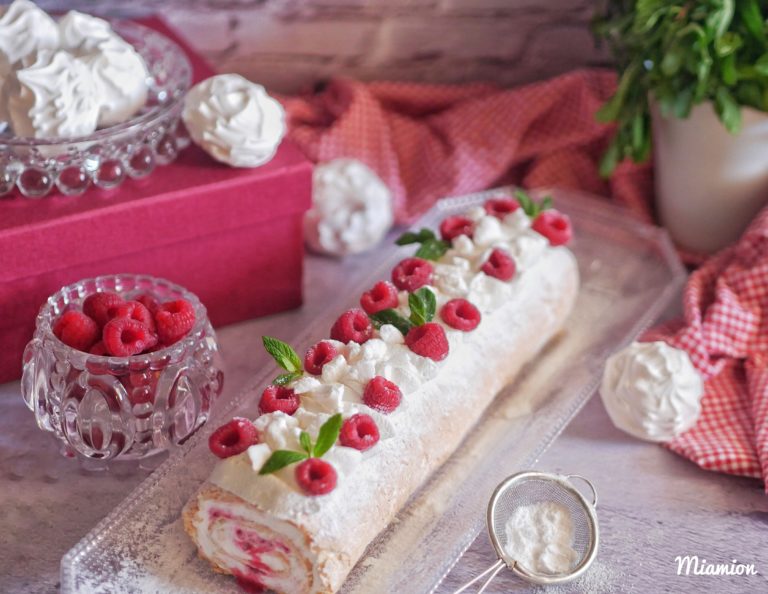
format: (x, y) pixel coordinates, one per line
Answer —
(495, 568)
(589, 484)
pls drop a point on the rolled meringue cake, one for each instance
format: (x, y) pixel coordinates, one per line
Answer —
(410, 376)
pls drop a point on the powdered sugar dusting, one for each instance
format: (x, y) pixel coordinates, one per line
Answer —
(540, 538)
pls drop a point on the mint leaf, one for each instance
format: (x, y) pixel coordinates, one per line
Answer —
(432, 249)
(390, 316)
(280, 459)
(285, 378)
(328, 435)
(283, 354)
(306, 442)
(422, 304)
(410, 237)
(530, 206)
(526, 203)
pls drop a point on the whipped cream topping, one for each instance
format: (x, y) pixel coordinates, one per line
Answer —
(652, 391)
(51, 94)
(351, 208)
(340, 387)
(234, 120)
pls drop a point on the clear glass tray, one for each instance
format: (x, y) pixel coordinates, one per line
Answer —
(629, 272)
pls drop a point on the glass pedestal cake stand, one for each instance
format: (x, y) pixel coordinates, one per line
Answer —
(630, 273)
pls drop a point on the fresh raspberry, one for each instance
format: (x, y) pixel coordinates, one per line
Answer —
(352, 326)
(149, 302)
(428, 340)
(135, 311)
(275, 398)
(233, 438)
(174, 319)
(316, 476)
(360, 432)
(99, 349)
(460, 314)
(454, 226)
(382, 296)
(499, 265)
(77, 330)
(553, 225)
(500, 207)
(412, 274)
(382, 395)
(101, 307)
(318, 355)
(124, 337)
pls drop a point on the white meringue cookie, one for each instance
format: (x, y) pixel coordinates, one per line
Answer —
(51, 95)
(652, 391)
(120, 75)
(25, 28)
(234, 120)
(82, 33)
(351, 208)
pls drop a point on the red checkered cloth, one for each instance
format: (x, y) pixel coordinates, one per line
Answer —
(725, 332)
(428, 141)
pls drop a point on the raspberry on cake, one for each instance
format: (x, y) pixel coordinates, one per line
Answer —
(452, 227)
(382, 296)
(428, 340)
(500, 207)
(233, 438)
(359, 432)
(460, 314)
(382, 395)
(316, 477)
(499, 265)
(553, 225)
(318, 355)
(412, 274)
(279, 398)
(352, 326)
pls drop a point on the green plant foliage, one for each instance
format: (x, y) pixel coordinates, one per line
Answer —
(680, 54)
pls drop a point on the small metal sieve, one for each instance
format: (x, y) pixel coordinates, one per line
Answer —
(531, 488)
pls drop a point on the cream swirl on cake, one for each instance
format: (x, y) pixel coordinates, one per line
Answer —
(51, 94)
(234, 120)
(351, 208)
(652, 391)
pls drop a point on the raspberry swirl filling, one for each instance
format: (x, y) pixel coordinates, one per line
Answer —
(262, 552)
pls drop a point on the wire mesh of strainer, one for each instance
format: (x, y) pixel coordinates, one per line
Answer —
(531, 488)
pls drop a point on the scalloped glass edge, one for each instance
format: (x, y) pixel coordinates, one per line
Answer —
(585, 208)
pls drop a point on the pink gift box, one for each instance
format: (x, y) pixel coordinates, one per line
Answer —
(232, 236)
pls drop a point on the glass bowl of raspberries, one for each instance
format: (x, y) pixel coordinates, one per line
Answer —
(121, 367)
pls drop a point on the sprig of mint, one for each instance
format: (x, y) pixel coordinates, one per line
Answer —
(423, 305)
(390, 316)
(326, 437)
(530, 206)
(430, 248)
(285, 357)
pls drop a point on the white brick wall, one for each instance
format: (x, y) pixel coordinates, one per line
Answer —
(290, 44)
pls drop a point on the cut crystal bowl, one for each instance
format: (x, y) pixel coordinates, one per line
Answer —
(132, 149)
(104, 408)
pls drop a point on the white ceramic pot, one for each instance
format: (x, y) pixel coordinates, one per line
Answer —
(709, 183)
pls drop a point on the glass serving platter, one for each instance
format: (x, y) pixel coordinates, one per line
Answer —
(629, 274)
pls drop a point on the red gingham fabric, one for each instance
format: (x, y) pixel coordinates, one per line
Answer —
(429, 141)
(725, 332)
